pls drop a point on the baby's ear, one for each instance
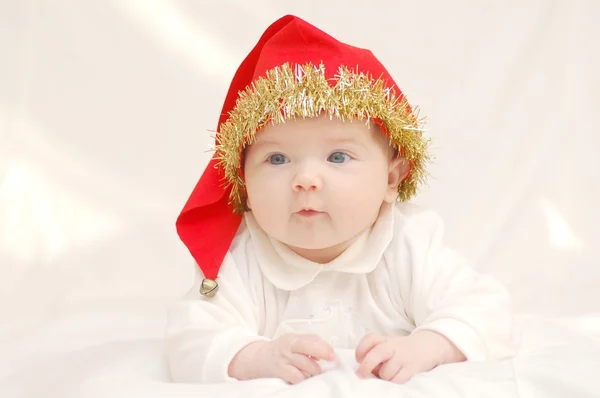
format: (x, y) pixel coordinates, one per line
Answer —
(397, 172)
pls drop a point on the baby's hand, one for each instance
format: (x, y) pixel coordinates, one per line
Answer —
(291, 357)
(398, 359)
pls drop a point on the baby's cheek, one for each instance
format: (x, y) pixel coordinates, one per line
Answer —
(272, 195)
(262, 183)
(263, 194)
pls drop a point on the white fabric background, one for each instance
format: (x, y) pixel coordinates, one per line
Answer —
(104, 112)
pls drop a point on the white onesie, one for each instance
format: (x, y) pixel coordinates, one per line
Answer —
(394, 279)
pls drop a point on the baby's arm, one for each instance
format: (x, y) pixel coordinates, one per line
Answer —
(445, 295)
(204, 334)
(218, 339)
(458, 313)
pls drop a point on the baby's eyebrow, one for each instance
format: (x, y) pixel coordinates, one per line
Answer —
(344, 140)
(266, 142)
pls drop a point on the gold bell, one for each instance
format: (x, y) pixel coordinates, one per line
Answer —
(209, 287)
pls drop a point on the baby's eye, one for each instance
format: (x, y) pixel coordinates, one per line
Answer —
(338, 157)
(277, 159)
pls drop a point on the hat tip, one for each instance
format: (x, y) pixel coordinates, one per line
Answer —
(291, 17)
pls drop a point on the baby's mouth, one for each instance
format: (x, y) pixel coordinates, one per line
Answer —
(308, 213)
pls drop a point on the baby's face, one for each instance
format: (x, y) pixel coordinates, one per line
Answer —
(316, 183)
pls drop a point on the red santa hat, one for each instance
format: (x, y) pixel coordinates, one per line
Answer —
(295, 70)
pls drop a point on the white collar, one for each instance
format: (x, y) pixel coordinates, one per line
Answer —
(287, 270)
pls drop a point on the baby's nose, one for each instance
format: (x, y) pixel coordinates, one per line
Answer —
(307, 182)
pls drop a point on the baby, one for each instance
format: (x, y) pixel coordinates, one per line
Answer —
(304, 239)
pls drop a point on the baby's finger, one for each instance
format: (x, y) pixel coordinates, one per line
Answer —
(306, 375)
(377, 369)
(390, 368)
(366, 344)
(292, 375)
(404, 375)
(379, 354)
(312, 346)
(306, 365)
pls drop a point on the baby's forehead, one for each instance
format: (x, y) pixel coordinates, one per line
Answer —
(323, 128)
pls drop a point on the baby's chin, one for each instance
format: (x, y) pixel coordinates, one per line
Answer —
(320, 238)
(319, 251)
(309, 244)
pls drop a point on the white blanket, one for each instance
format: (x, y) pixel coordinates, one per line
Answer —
(118, 352)
(104, 107)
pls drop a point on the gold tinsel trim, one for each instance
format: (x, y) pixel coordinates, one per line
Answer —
(287, 93)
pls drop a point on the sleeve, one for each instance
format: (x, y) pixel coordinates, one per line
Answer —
(447, 296)
(204, 334)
